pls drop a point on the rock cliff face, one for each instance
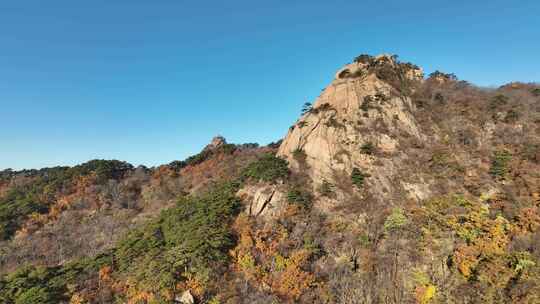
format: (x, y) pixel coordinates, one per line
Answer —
(264, 199)
(362, 112)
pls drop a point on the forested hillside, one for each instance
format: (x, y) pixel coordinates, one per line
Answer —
(392, 187)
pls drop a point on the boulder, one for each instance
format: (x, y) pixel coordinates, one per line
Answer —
(185, 298)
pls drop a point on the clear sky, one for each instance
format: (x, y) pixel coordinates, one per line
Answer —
(153, 81)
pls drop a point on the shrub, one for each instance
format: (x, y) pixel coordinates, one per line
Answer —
(249, 146)
(395, 220)
(326, 189)
(364, 58)
(198, 158)
(323, 108)
(299, 155)
(531, 152)
(424, 294)
(333, 123)
(497, 101)
(302, 124)
(381, 97)
(104, 169)
(208, 153)
(521, 261)
(299, 197)
(31, 285)
(368, 148)
(275, 145)
(358, 177)
(268, 167)
(344, 74)
(511, 116)
(439, 74)
(373, 101)
(536, 92)
(366, 103)
(227, 149)
(389, 74)
(15, 208)
(307, 107)
(420, 103)
(440, 159)
(138, 243)
(439, 98)
(191, 239)
(312, 245)
(176, 165)
(425, 290)
(499, 164)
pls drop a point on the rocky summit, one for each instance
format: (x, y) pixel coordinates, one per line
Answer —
(391, 187)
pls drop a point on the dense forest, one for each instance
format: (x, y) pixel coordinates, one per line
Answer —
(419, 190)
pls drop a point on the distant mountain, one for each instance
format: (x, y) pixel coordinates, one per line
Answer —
(392, 187)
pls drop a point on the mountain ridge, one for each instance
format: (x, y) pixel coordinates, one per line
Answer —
(391, 187)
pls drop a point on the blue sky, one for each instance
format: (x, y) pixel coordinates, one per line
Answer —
(152, 81)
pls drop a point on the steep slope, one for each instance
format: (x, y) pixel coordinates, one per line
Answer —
(361, 113)
(362, 110)
(416, 187)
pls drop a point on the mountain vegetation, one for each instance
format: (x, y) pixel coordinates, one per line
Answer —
(392, 187)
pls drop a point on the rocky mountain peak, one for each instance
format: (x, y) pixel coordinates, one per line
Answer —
(216, 142)
(366, 111)
(383, 66)
(366, 108)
